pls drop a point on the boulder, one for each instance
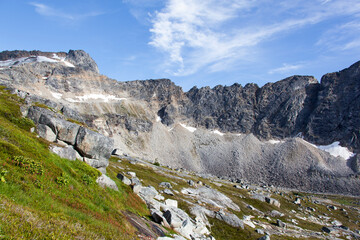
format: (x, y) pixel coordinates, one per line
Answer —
(135, 181)
(272, 201)
(105, 181)
(137, 188)
(46, 133)
(168, 192)
(247, 221)
(94, 145)
(229, 218)
(171, 203)
(212, 197)
(96, 163)
(65, 130)
(175, 216)
(165, 185)
(266, 237)
(124, 179)
(280, 223)
(132, 174)
(67, 152)
(158, 217)
(148, 193)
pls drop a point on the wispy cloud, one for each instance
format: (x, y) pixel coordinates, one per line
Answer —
(48, 11)
(212, 35)
(285, 68)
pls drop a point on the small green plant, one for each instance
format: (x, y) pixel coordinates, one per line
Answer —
(156, 163)
(62, 180)
(2, 175)
(87, 180)
(28, 164)
(38, 184)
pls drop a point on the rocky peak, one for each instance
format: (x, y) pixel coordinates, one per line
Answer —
(82, 59)
(7, 55)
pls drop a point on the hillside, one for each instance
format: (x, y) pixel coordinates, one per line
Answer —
(294, 133)
(44, 196)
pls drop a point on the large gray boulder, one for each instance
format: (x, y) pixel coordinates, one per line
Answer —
(94, 145)
(212, 197)
(67, 152)
(105, 181)
(65, 130)
(46, 133)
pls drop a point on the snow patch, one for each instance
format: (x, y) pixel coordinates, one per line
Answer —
(158, 119)
(56, 95)
(96, 97)
(337, 151)
(17, 61)
(274, 141)
(218, 132)
(190, 129)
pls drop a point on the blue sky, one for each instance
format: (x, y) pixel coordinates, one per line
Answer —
(192, 42)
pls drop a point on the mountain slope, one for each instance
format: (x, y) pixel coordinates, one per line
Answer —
(226, 131)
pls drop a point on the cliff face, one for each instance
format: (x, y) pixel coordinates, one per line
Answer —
(336, 114)
(223, 131)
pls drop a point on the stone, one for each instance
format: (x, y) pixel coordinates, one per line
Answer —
(105, 181)
(175, 217)
(65, 130)
(211, 196)
(247, 221)
(94, 145)
(148, 193)
(158, 217)
(96, 163)
(260, 231)
(165, 185)
(46, 133)
(67, 152)
(168, 192)
(272, 201)
(137, 188)
(330, 230)
(124, 179)
(131, 174)
(266, 237)
(275, 213)
(159, 197)
(171, 203)
(229, 218)
(280, 223)
(135, 181)
(336, 223)
(297, 201)
(191, 183)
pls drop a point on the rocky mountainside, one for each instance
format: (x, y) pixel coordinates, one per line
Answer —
(264, 135)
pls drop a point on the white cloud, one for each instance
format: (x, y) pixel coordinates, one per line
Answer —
(48, 11)
(212, 35)
(286, 68)
(342, 37)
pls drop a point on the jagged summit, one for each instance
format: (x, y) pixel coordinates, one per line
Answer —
(74, 58)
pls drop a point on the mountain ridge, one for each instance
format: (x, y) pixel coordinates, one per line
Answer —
(225, 130)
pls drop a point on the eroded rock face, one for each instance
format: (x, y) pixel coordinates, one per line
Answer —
(337, 112)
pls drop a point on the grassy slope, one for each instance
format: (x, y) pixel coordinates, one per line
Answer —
(61, 202)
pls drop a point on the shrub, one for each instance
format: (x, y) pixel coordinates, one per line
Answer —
(62, 180)
(28, 164)
(2, 175)
(88, 180)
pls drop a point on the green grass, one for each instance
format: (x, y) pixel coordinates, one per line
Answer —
(43, 196)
